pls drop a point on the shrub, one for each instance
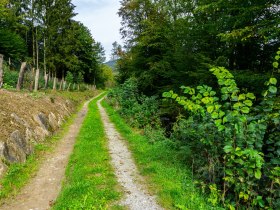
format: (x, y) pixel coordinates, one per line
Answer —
(138, 110)
(10, 77)
(237, 141)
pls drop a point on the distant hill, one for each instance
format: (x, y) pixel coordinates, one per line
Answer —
(112, 64)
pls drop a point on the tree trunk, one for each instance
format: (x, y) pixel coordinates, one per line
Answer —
(74, 86)
(64, 85)
(54, 82)
(60, 85)
(21, 75)
(46, 76)
(68, 87)
(32, 79)
(1, 71)
(37, 80)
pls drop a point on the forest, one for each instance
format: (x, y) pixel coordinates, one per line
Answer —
(198, 79)
(203, 75)
(42, 40)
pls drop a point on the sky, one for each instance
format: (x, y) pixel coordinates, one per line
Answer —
(100, 16)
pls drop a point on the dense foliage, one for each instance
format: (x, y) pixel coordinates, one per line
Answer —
(238, 142)
(169, 43)
(230, 139)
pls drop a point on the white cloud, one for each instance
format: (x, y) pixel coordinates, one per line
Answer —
(100, 16)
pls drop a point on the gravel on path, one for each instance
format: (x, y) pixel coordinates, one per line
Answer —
(136, 196)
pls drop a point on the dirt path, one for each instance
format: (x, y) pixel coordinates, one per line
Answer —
(136, 197)
(44, 188)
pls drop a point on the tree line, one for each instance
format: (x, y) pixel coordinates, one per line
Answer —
(43, 36)
(171, 42)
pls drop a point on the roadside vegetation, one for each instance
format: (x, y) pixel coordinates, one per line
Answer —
(227, 137)
(223, 124)
(90, 182)
(166, 176)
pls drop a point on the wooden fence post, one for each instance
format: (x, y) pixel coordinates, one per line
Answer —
(21, 75)
(1, 71)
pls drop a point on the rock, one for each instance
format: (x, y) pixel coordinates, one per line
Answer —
(20, 120)
(2, 149)
(13, 148)
(29, 135)
(53, 122)
(16, 148)
(19, 139)
(60, 120)
(41, 119)
(3, 169)
(67, 110)
(41, 133)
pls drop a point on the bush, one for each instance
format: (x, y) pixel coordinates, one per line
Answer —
(233, 143)
(10, 77)
(137, 109)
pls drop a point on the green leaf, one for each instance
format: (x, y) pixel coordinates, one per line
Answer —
(205, 94)
(218, 122)
(221, 128)
(210, 109)
(250, 95)
(212, 93)
(221, 114)
(225, 97)
(174, 96)
(205, 100)
(245, 110)
(237, 105)
(166, 95)
(277, 57)
(273, 81)
(215, 115)
(265, 93)
(258, 174)
(241, 97)
(225, 120)
(228, 148)
(248, 103)
(272, 89)
(275, 64)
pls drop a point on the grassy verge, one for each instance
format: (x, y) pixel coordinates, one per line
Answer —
(166, 176)
(19, 174)
(90, 181)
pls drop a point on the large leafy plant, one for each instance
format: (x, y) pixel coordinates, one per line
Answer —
(250, 150)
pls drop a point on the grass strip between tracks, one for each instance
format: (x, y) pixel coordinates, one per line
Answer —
(90, 182)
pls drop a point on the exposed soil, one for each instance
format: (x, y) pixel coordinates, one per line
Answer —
(25, 105)
(44, 188)
(136, 196)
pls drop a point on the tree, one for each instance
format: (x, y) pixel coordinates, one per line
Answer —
(116, 51)
(174, 42)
